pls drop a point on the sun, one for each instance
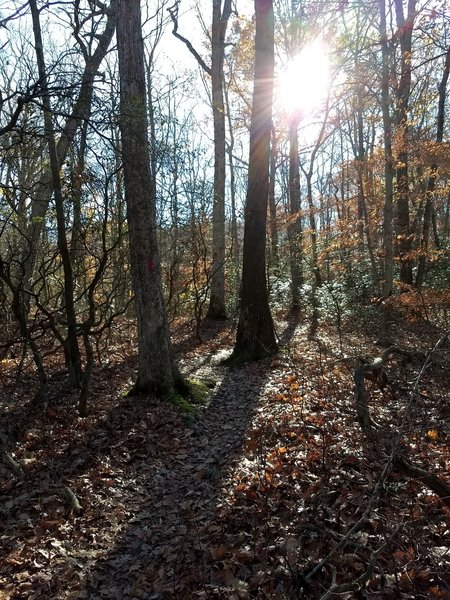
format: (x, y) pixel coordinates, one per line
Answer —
(303, 83)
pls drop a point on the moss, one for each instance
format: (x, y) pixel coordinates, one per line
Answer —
(197, 395)
(199, 391)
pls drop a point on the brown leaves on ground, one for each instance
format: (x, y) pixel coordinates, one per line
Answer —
(273, 493)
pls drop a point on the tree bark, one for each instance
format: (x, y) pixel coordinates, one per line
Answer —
(157, 370)
(295, 223)
(388, 206)
(255, 336)
(221, 15)
(216, 309)
(404, 245)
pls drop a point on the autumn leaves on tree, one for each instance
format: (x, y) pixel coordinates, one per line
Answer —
(115, 208)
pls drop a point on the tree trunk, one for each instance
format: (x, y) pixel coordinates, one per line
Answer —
(360, 155)
(274, 253)
(388, 207)
(157, 371)
(71, 349)
(216, 309)
(255, 333)
(234, 223)
(295, 223)
(427, 215)
(404, 245)
(43, 190)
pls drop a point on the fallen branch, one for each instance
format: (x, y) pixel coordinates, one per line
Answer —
(346, 539)
(12, 464)
(357, 584)
(371, 430)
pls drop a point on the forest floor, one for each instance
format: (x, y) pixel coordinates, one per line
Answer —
(272, 491)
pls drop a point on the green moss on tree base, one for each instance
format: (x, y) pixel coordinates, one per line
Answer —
(197, 395)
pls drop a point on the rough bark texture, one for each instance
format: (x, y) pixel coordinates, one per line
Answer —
(255, 334)
(157, 372)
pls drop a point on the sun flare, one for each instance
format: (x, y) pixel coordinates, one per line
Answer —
(303, 83)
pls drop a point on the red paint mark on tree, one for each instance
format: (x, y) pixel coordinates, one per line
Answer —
(150, 265)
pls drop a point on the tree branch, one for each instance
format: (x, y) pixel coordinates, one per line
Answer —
(173, 11)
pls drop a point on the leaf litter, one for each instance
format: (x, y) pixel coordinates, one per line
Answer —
(265, 495)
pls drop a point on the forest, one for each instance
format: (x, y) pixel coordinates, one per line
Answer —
(224, 299)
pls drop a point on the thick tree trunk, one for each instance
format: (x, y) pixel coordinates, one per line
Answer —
(255, 333)
(157, 371)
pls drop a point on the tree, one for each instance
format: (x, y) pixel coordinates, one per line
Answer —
(405, 29)
(71, 348)
(157, 370)
(255, 336)
(220, 17)
(388, 206)
(81, 110)
(295, 232)
(440, 119)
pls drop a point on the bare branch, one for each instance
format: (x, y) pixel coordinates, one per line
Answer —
(173, 11)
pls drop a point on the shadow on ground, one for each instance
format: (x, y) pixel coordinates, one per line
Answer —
(160, 554)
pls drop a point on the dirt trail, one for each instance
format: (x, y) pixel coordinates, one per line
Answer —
(164, 550)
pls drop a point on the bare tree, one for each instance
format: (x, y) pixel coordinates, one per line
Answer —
(157, 370)
(81, 110)
(71, 348)
(220, 18)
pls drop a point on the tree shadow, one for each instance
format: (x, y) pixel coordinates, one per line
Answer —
(163, 552)
(210, 331)
(291, 322)
(150, 487)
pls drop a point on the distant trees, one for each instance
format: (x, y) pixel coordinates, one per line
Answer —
(114, 205)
